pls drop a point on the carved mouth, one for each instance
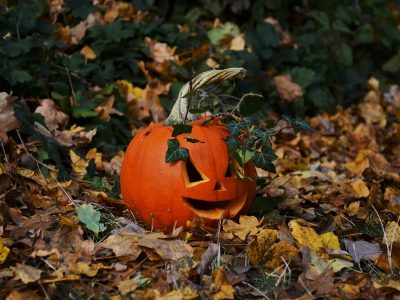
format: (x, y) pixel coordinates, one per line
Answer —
(215, 209)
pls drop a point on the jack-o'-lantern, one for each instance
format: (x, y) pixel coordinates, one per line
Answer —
(167, 194)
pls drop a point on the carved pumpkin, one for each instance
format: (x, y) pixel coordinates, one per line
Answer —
(164, 195)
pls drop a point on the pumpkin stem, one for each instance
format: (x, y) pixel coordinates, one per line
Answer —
(180, 111)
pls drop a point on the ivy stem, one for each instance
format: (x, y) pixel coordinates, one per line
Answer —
(180, 111)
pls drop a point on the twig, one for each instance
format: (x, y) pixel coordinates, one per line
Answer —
(4, 151)
(256, 289)
(32, 157)
(388, 248)
(66, 194)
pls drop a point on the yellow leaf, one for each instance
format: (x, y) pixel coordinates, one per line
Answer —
(127, 89)
(330, 241)
(247, 225)
(27, 173)
(353, 208)
(392, 230)
(127, 286)
(258, 249)
(3, 251)
(360, 189)
(88, 53)
(238, 43)
(279, 253)
(306, 236)
(225, 292)
(84, 268)
(58, 275)
(79, 164)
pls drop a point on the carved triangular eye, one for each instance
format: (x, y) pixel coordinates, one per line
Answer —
(228, 172)
(193, 174)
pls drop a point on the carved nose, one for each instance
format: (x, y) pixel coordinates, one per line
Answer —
(218, 186)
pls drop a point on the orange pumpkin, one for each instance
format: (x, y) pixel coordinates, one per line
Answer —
(164, 195)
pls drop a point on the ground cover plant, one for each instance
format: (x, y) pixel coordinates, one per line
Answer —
(317, 113)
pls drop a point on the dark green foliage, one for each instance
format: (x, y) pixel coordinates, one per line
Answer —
(175, 152)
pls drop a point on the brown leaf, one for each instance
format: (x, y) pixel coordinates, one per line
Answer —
(160, 52)
(247, 225)
(287, 89)
(167, 249)
(123, 244)
(53, 118)
(7, 119)
(26, 274)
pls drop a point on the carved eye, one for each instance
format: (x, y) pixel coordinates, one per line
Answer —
(228, 172)
(191, 174)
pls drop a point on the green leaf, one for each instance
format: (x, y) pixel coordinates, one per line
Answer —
(364, 34)
(245, 155)
(90, 218)
(298, 124)
(19, 76)
(344, 55)
(181, 129)
(175, 153)
(321, 17)
(217, 34)
(79, 112)
(303, 76)
(264, 160)
(393, 64)
(235, 127)
(251, 105)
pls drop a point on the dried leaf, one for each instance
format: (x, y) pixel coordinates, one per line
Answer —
(53, 118)
(167, 249)
(127, 286)
(88, 53)
(362, 250)
(79, 164)
(3, 251)
(247, 225)
(305, 236)
(7, 119)
(26, 274)
(287, 89)
(124, 243)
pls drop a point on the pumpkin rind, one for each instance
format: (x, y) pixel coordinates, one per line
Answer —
(160, 193)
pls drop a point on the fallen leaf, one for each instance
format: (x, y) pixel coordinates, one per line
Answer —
(279, 254)
(123, 244)
(287, 89)
(90, 217)
(330, 241)
(26, 274)
(127, 286)
(86, 269)
(160, 52)
(167, 249)
(79, 164)
(224, 289)
(247, 225)
(53, 118)
(3, 251)
(362, 250)
(7, 119)
(88, 53)
(238, 43)
(360, 189)
(207, 258)
(392, 230)
(305, 236)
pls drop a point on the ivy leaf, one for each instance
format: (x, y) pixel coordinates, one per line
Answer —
(90, 217)
(298, 124)
(232, 142)
(235, 127)
(180, 129)
(264, 160)
(175, 153)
